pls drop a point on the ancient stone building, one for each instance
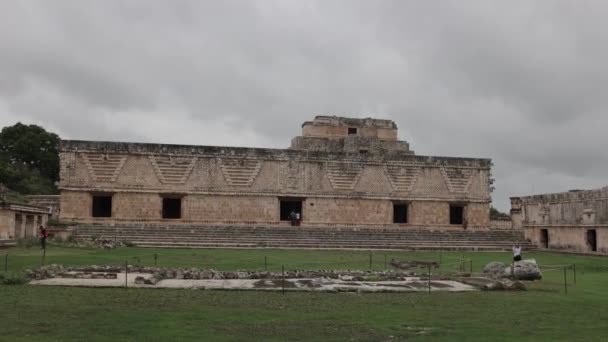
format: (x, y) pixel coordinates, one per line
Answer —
(341, 171)
(576, 220)
(19, 220)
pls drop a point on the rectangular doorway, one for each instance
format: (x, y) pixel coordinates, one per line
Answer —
(30, 227)
(456, 214)
(102, 206)
(544, 238)
(592, 239)
(172, 208)
(19, 232)
(288, 206)
(400, 213)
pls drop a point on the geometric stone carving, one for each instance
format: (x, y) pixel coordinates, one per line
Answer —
(458, 179)
(104, 167)
(240, 172)
(402, 177)
(293, 175)
(173, 170)
(344, 176)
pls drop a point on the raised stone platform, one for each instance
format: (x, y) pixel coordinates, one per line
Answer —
(206, 236)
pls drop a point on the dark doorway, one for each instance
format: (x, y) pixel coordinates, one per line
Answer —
(172, 208)
(399, 213)
(289, 205)
(456, 214)
(102, 206)
(592, 239)
(29, 226)
(352, 131)
(19, 232)
(544, 238)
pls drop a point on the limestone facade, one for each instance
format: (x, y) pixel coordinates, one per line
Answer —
(18, 221)
(575, 220)
(340, 171)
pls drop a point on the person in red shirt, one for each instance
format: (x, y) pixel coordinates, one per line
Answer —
(42, 235)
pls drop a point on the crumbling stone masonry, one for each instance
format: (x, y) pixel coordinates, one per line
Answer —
(340, 171)
(576, 220)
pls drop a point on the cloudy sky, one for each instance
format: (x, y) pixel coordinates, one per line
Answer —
(522, 82)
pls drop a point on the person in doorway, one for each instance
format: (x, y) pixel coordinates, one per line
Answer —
(293, 217)
(517, 253)
(42, 235)
(297, 219)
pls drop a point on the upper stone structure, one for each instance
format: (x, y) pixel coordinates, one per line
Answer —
(329, 176)
(340, 134)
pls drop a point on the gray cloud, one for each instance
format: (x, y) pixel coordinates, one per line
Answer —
(517, 81)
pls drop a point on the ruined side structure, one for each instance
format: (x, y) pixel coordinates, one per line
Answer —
(341, 171)
(19, 220)
(576, 220)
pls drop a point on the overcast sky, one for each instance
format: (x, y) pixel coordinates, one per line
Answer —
(522, 82)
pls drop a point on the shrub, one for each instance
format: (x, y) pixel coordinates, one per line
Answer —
(27, 243)
(13, 279)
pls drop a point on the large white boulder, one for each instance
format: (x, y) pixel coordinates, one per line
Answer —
(524, 270)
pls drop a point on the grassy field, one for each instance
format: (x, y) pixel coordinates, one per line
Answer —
(543, 313)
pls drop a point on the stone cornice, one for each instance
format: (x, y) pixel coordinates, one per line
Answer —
(79, 146)
(277, 194)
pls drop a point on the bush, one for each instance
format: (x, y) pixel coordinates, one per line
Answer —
(12, 279)
(28, 243)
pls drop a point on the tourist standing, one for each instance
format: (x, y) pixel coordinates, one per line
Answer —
(517, 252)
(292, 217)
(42, 235)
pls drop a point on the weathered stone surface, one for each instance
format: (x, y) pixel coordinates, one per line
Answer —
(351, 172)
(406, 265)
(493, 284)
(495, 269)
(524, 270)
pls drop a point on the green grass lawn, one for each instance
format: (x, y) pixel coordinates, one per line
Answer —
(544, 312)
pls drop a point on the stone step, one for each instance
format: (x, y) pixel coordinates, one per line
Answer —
(357, 237)
(338, 247)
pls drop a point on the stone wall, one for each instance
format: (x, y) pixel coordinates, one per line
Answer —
(567, 217)
(46, 201)
(7, 224)
(569, 238)
(232, 184)
(19, 222)
(501, 224)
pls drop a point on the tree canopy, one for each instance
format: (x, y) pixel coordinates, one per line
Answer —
(29, 159)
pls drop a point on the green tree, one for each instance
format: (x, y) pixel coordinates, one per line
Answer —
(29, 159)
(495, 213)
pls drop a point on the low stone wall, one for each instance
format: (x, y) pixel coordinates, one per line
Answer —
(52, 271)
(501, 224)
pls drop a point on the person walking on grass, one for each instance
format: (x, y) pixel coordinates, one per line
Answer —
(517, 253)
(42, 235)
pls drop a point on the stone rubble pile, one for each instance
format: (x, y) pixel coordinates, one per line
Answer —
(522, 270)
(91, 272)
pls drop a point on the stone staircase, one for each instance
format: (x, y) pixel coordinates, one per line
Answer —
(207, 236)
(7, 243)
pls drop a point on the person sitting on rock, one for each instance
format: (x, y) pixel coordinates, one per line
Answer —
(517, 253)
